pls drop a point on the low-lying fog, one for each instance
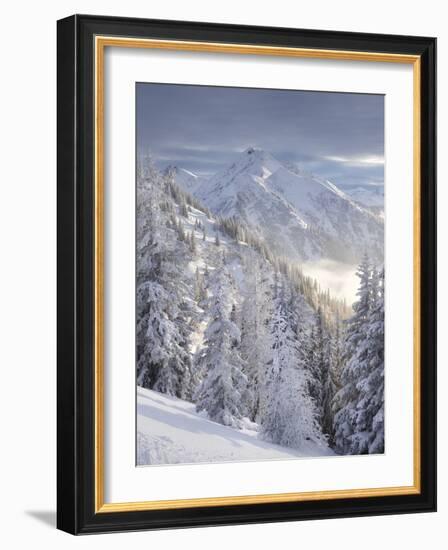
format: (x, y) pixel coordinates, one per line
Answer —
(339, 277)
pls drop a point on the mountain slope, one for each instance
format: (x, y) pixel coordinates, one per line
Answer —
(346, 228)
(186, 179)
(210, 298)
(369, 197)
(170, 431)
(299, 215)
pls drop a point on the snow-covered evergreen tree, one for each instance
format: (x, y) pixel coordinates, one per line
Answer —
(359, 403)
(322, 379)
(317, 363)
(224, 391)
(336, 351)
(163, 361)
(290, 417)
(254, 331)
(372, 388)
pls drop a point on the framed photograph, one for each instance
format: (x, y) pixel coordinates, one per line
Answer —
(246, 274)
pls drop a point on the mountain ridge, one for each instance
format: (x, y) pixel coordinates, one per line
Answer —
(300, 215)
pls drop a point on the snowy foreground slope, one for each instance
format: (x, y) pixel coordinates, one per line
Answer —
(170, 431)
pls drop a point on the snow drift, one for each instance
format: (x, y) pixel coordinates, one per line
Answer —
(170, 431)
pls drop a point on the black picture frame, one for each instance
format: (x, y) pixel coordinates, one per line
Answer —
(76, 512)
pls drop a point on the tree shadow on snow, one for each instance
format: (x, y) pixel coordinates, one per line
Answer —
(188, 422)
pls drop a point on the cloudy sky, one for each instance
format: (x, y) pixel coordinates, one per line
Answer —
(338, 136)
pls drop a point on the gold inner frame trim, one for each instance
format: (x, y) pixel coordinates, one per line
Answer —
(101, 42)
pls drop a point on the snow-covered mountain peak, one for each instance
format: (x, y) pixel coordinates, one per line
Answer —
(255, 152)
(251, 162)
(298, 214)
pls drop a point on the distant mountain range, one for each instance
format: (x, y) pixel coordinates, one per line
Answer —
(299, 215)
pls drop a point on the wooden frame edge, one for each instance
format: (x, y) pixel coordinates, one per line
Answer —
(100, 507)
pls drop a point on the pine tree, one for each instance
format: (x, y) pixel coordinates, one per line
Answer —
(322, 385)
(317, 365)
(359, 418)
(200, 292)
(193, 243)
(372, 387)
(336, 352)
(183, 209)
(163, 361)
(290, 418)
(254, 338)
(181, 232)
(330, 388)
(224, 391)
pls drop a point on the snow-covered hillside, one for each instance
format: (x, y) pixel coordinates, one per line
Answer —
(300, 216)
(235, 331)
(170, 431)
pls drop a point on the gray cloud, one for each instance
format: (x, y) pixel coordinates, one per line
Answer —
(339, 136)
